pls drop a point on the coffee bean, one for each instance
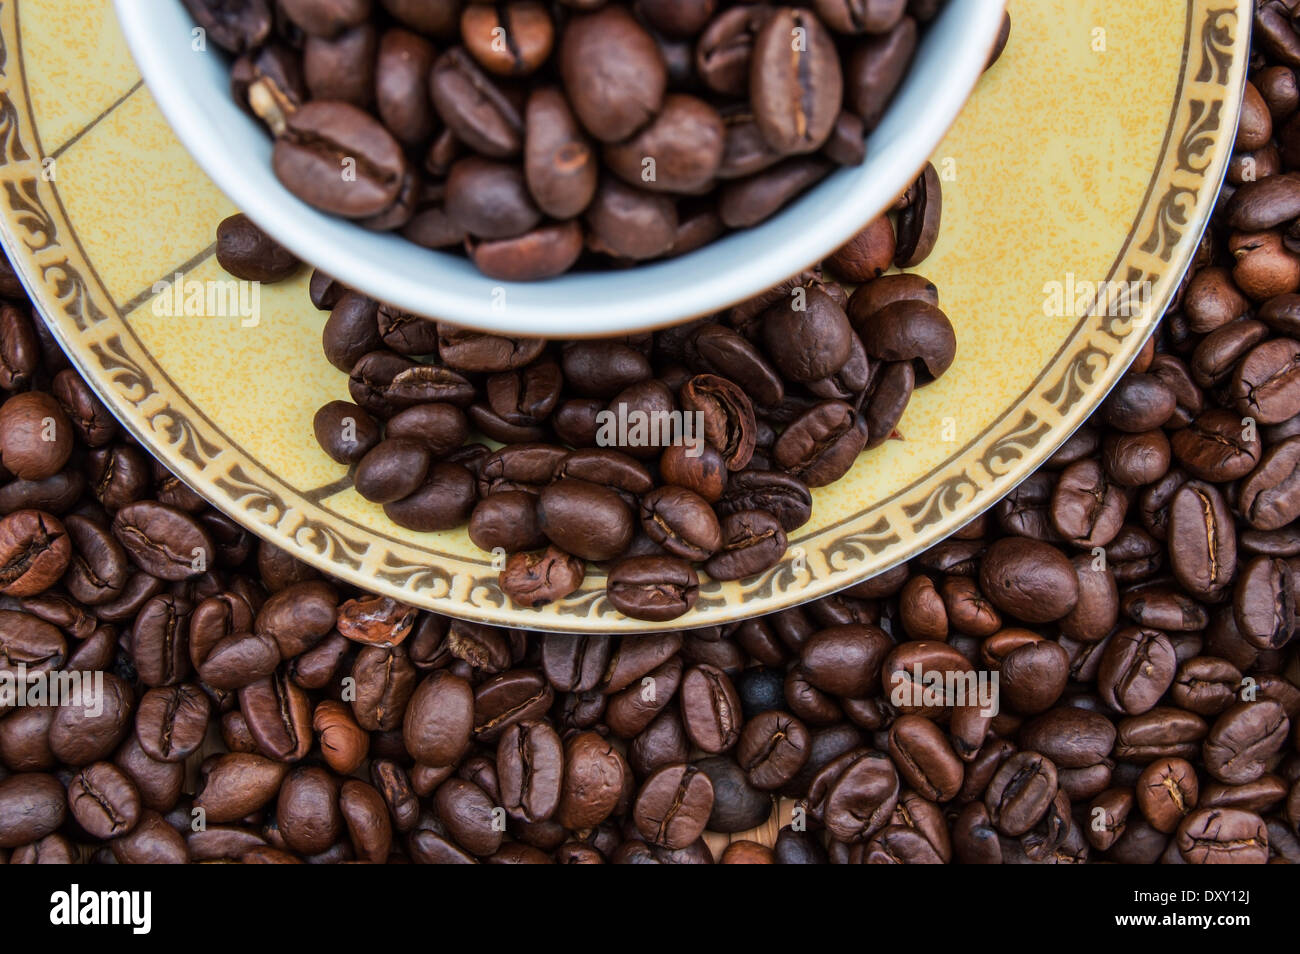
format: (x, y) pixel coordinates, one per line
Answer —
(1202, 541)
(673, 806)
(1020, 792)
(533, 580)
(36, 437)
(652, 588)
(247, 252)
(307, 160)
(35, 549)
(679, 151)
(104, 801)
(613, 73)
(439, 719)
(876, 67)
(445, 500)
(530, 767)
(1029, 580)
(1222, 836)
(918, 224)
(34, 806)
(796, 97)
(171, 722)
(681, 522)
(585, 519)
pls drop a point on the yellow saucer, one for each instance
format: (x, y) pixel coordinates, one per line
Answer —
(1091, 153)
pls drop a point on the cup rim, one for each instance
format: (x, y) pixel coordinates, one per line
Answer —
(195, 101)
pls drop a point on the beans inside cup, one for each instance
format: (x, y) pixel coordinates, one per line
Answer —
(539, 137)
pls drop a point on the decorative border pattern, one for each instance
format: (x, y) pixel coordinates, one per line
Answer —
(45, 250)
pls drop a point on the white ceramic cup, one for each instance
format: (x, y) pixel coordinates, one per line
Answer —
(192, 87)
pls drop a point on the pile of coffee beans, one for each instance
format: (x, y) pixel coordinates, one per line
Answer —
(650, 454)
(530, 133)
(1134, 601)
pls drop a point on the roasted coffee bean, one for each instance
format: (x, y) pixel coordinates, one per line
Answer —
(595, 775)
(34, 806)
(1020, 792)
(679, 151)
(785, 497)
(861, 794)
(924, 758)
(876, 67)
(507, 520)
(439, 719)
(1216, 446)
(1137, 667)
(104, 801)
(1167, 790)
(247, 252)
(1222, 836)
(613, 73)
(530, 767)
(488, 199)
(445, 500)
(585, 519)
(278, 716)
(473, 107)
(82, 734)
(737, 805)
(298, 616)
(559, 163)
(1202, 540)
(344, 744)
(36, 437)
(163, 541)
(682, 522)
(385, 680)
(1265, 603)
(653, 588)
(1030, 580)
(673, 806)
(752, 541)
(797, 97)
(1034, 675)
(748, 201)
(1087, 510)
(403, 62)
(1242, 740)
(345, 431)
(94, 423)
(918, 224)
(533, 579)
(306, 160)
(710, 709)
(911, 330)
(352, 331)
(171, 722)
(821, 445)
(725, 49)
(773, 747)
(35, 550)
